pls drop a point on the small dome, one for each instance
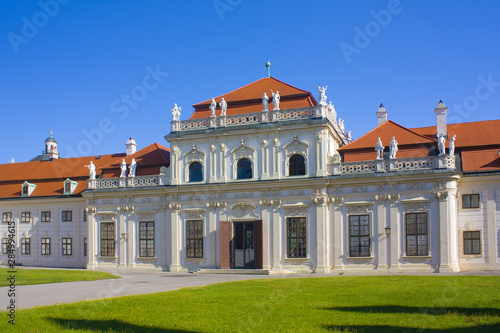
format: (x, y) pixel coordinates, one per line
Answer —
(50, 139)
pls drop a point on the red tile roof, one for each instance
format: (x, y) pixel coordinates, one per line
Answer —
(50, 175)
(248, 98)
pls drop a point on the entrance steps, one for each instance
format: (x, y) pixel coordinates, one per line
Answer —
(229, 271)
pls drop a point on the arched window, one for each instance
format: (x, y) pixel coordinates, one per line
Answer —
(244, 169)
(195, 172)
(296, 165)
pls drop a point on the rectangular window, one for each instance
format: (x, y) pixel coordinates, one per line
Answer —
(296, 237)
(25, 217)
(472, 242)
(25, 190)
(5, 245)
(108, 239)
(67, 215)
(46, 246)
(359, 235)
(194, 239)
(470, 201)
(416, 234)
(84, 215)
(67, 247)
(67, 187)
(7, 217)
(25, 246)
(46, 216)
(146, 239)
(85, 244)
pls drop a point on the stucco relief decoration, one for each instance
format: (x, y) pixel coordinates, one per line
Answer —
(194, 213)
(296, 209)
(441, 195)
(216, 205)
(174, 207)
(243, 210)
(358, 207)
(336, 200)
(107, 216)
(243, 151)
(194, 155)
(271, 203)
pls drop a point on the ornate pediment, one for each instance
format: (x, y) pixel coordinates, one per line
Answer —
(243, 211)
(194, 155)
(296, 147)
(243, 151)
(194, 213)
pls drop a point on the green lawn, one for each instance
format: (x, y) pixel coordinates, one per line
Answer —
(343, 304)
(40, 276)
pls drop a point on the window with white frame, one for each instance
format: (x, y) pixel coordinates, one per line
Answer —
(108, 239)
(470, 200)
(146, 239)
(67, 246)
(296, 165)
(6, 217)
(359, 235)
(45, 246)
(194, 239)
(296, 237)
(417, 239)
(472, 242)
(244, 169)
(25, 245)
(195, 172)
(46, 216)
(25, 217)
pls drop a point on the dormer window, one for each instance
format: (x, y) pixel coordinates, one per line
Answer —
(27, 189)
(69, 186)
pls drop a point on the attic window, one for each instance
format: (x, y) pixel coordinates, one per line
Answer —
(27, 189)
(69, 186)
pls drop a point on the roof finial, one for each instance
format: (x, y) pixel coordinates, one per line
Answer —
(268, 65)
(51, 132)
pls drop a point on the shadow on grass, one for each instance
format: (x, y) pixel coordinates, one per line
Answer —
(108, 326)
(366, 328)
(419, 310)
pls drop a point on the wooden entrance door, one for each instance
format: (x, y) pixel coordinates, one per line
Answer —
(241, 244)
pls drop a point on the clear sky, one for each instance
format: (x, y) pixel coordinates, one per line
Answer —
(67, 64)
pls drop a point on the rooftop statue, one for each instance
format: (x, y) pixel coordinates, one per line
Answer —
(322, 95)
(176, 113)
(441, 141)
(223, 106)
(341, 125)
(451, 151)
(276, 99)
(123, 168)
(393, 148)
(379, 148)
(132, 168)
(348, 136)
(91, 167)
(212, 107)
(265, 101)
(330, 108)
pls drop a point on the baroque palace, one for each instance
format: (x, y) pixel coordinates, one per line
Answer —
(266, 178)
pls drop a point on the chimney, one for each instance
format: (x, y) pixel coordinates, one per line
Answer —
(381, 114)
(131, 146)
(440, 112)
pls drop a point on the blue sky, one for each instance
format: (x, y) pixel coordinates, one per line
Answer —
(68, 66)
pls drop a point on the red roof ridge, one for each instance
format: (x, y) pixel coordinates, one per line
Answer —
(464, 123)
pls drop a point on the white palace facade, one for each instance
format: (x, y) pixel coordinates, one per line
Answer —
(272, 184)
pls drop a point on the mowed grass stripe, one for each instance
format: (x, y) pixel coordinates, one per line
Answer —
(353, 304)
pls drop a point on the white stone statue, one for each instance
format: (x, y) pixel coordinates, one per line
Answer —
(331, 109)
(341, 125)
(132, 168)
(322, 95)
(393, 148)
(223, 106)
(379, 148)
(212, 107)
(276, 99)
(441, 142)
(451, 151)
(91, 167)
(123, 168)
(348, 136)
(265, 101)
(176, 113)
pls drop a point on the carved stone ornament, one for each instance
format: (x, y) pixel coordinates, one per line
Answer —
(243, 210)
(441, 195)
(358, 206)
(194, 155)
(194, 213)
(174, 207)
(296, 147)
(271, 203)
(107, 215)
(243, 151)
(296, 192)
(416, 204)
(296, 209)
(216, 204)
(129, 209)
(318, 200)
(336, 200)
